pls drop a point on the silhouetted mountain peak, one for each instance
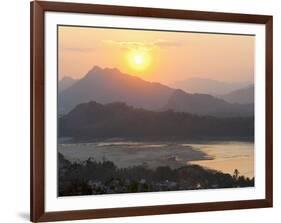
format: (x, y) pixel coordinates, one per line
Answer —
(95, 69)
(106, 70)
(66, 82)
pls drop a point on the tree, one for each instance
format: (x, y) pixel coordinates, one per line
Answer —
(236, 174)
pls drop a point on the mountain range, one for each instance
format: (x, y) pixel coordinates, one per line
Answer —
(208, 86)
(204, 104)
(93, 120)
(110, 85)
(244, 95)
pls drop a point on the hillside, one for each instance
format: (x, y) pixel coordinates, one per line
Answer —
(93, 120)
(242, 96)
(204, 104)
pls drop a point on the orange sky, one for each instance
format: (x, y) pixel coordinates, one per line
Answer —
(169, 56)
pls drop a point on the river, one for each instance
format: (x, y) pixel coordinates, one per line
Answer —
(221, 156)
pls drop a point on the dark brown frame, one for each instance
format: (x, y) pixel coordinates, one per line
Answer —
(37, 209)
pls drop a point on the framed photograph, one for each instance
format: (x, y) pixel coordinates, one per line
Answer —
(144, 111)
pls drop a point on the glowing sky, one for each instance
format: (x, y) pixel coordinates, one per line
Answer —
(158, 56)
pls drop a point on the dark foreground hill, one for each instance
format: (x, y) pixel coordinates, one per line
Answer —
(92, 120)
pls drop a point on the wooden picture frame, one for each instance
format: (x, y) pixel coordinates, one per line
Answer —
(37, 181)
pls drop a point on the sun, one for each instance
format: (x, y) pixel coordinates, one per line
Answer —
(138, 60)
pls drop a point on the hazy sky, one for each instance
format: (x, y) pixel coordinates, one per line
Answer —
(158, 56)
